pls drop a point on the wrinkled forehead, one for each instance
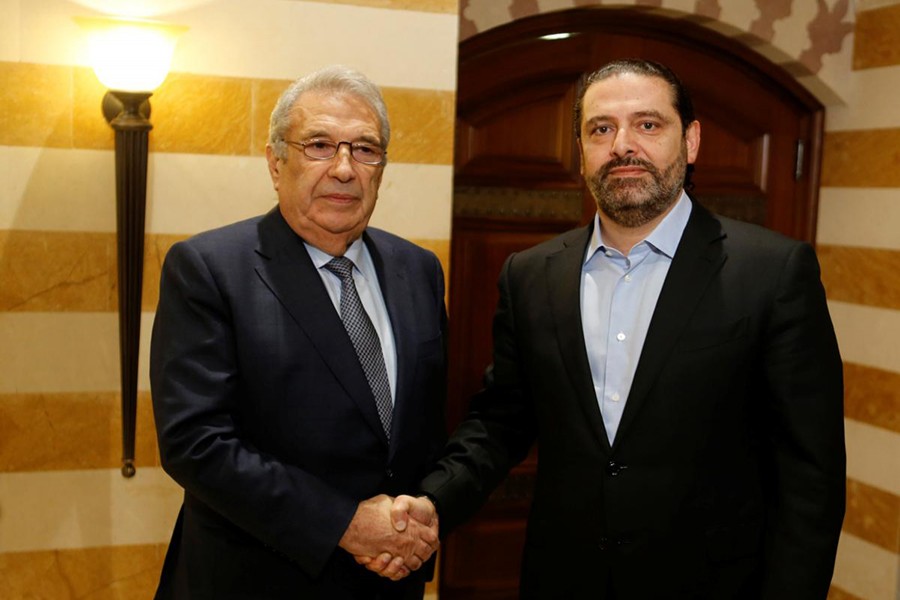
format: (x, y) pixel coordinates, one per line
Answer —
(327, 112)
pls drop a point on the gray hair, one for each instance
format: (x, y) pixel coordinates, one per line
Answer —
(337, 79)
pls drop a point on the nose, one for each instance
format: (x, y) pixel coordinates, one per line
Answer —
(341, 167)
(623, 144)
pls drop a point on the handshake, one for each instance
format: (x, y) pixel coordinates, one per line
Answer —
(392, 536)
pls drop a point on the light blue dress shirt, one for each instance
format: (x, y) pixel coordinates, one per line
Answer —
(618, 297)
(366, 280)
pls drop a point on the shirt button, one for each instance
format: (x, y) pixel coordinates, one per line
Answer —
(628, 278)
(615, 397)
(620, 336)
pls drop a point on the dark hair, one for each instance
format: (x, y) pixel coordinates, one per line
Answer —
(638, 66)
(648, 68)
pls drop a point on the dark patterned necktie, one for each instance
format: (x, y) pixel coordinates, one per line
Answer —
(365, 340)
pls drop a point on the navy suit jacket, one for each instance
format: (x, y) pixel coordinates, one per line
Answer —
(264, 415)
(726, 476)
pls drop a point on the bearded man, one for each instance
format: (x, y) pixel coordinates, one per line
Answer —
(679, 372)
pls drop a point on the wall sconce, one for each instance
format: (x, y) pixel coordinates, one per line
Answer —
(131, 57)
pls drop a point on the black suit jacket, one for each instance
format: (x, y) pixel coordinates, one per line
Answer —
(265, 417)
(726, 476)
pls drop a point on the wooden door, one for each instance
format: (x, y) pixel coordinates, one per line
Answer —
(517, 183)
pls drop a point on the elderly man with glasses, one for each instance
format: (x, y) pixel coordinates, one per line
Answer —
(298, 373)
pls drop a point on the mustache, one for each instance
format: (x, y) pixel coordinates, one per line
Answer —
(627, 161)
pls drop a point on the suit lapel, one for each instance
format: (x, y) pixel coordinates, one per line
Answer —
(563, 270)
(289, 273)
(698, 258)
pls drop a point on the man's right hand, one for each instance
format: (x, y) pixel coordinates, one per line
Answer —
(420, 509)
(389, 550)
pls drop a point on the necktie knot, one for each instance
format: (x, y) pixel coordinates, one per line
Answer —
(340, 266)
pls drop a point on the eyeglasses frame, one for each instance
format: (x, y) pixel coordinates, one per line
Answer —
(337, 146)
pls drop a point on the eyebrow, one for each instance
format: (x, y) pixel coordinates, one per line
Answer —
(641, 114)
(655, 114)
(368, 139)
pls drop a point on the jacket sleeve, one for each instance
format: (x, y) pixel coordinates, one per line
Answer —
(803, 370)
(497, 432)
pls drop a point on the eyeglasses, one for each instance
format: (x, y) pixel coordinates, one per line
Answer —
(361, 152)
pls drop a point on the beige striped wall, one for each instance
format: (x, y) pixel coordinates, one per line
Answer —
(848, 54)
(859, 249)
(70, 525)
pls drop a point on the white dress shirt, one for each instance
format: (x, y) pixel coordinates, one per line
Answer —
(618, 297)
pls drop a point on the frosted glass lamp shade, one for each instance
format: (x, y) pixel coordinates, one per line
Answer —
(130, 55)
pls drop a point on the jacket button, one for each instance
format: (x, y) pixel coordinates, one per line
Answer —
(613, 468)
(389, 473)
(603, 544)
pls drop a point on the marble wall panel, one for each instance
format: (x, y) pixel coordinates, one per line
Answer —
(106, 573)
(872, 396)
(877, 32)
(199, 114)
(873, 515)
(869, 276)
(863, 158)
(76, 430)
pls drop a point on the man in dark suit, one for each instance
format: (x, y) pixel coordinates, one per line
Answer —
(298, 372)
(679, 373)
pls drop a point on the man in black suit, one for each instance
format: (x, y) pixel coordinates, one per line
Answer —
(679, 372)
(298, 372)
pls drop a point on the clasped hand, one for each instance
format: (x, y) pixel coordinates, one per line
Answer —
(392, 537)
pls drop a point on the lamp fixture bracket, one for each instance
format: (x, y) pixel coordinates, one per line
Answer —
(127, 108)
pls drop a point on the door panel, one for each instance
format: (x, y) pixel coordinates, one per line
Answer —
(517, 182)
(479, 248)
(510, 135)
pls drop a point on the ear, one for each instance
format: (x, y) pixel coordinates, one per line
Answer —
(692, 140)
(274, 165)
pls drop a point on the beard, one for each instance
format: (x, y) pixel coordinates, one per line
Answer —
(634, 201)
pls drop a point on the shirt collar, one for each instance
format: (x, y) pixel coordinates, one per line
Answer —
(664, 237)
(354, 253)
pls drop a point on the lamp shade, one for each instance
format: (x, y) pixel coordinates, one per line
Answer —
(130, 55)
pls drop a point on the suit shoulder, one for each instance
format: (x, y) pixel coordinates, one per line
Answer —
(758, 240)
(231, 232)
(222, 245)
(385, 239)
(758, 253)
